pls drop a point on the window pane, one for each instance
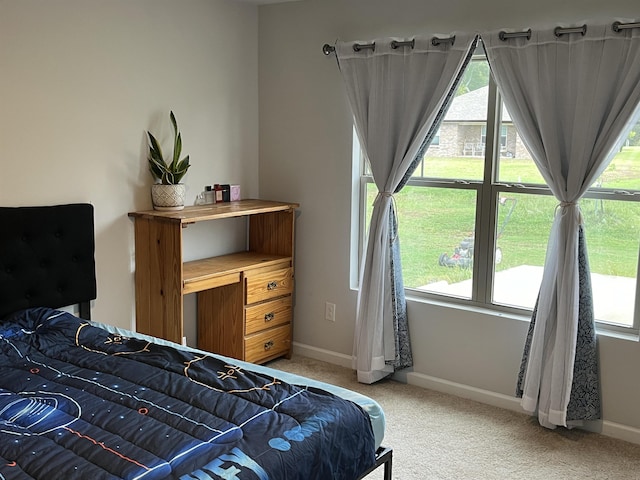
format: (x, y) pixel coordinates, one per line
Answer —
(372, 191)
(623, 173)
(459, 150)
(523, 226)
(436, 229)
(613, 237)
(515, 164)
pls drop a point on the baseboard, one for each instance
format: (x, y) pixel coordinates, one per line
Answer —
(616, 430)
(604, 427)
(610, 429)
(464, 391)
(323, 355)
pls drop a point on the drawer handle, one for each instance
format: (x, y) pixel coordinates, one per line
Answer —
(268, 345)
(269, 316)
(272, 285)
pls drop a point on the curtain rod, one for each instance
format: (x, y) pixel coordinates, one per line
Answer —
(435, 41)
(616, 27)
(504, 35)
(558, 31)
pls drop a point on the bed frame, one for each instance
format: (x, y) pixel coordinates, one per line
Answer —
(47, 259)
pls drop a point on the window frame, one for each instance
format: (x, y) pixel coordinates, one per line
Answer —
(488, 190)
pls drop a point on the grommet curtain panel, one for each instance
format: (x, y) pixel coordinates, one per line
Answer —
(397, 90)
(572, 96)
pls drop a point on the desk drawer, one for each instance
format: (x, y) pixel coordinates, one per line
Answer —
(266, 285)
(270, 343)
(267, 315)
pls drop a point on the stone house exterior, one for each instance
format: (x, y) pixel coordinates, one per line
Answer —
(463, 130)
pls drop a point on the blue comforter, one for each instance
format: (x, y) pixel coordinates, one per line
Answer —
(77, 402)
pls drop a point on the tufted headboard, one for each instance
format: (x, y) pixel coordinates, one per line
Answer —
(47, 257)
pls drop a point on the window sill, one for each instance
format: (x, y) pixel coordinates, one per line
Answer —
(612, 332)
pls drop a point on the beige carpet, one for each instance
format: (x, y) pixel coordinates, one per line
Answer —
(439, 436)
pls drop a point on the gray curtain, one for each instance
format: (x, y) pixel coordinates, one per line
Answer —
(397, 94)
(571, 96)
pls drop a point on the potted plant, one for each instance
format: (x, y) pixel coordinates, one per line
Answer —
(168, 193)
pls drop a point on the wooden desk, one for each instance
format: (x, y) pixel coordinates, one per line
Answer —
(244, 298)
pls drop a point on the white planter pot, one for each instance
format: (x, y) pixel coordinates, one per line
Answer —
(168, 197)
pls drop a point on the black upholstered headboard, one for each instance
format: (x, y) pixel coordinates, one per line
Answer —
(47, 257)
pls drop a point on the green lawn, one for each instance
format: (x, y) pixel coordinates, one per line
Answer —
(613, 227)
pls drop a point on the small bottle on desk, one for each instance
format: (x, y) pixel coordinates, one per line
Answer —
(226, 193)
(217, 189)
(208, 195)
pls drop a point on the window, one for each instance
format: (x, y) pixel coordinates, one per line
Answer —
(475, 217)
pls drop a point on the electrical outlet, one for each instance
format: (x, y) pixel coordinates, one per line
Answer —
(330, 311)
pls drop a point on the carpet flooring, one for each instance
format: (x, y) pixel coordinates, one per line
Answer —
(436, 436)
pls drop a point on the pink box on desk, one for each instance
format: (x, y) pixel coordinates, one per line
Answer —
(235, 193)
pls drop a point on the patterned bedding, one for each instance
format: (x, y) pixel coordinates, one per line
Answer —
(77, 401)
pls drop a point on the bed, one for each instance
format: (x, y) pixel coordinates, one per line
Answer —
(83, 399)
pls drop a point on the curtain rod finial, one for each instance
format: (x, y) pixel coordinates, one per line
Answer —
(328, 49)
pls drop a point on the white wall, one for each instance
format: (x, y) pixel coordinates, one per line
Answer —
(80, 83)
(305, 156)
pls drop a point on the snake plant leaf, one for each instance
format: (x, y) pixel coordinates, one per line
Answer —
(177, 148)
(157, 169)
(154, 149)
(173, 122)
(183, 165)
(177, 143)
(181, 169)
